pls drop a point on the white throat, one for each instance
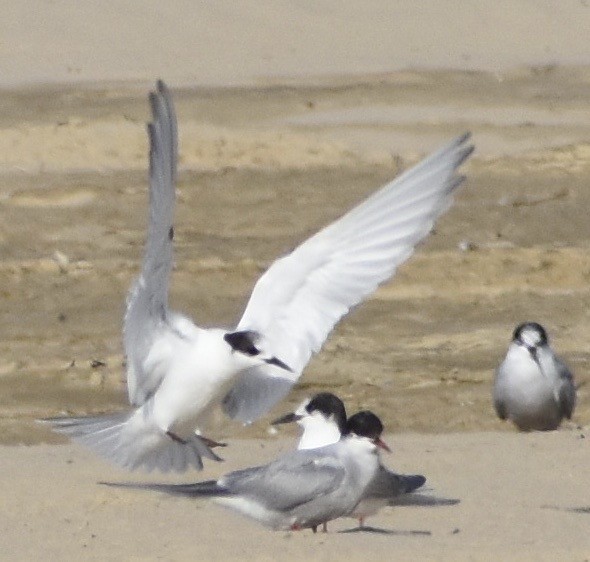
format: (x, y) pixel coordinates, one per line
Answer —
(318, 432)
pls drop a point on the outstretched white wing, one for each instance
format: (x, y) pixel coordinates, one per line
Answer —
(147, 303)
(299, 299)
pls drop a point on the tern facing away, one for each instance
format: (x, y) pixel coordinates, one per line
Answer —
(177, 372)
(533, 387)
(302, 489)
(322, 418)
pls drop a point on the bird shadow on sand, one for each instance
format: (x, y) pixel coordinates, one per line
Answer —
(585, 510)
(380, 531)
(415, 500)
(579, 510)
(423, 500)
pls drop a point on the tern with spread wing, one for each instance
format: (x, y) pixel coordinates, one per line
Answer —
(177, 372)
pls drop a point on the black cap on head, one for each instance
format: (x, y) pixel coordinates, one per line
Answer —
(530, 327)
(365, 424)
(244, 342)
(330, 405)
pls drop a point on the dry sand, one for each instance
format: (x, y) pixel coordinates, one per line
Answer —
(522, 497)
(289, 114)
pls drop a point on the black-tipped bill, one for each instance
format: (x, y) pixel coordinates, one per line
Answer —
(287, 418)
(278, 363)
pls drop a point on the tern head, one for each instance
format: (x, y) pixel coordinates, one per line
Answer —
(322, 418)
(367, 424)
(531, 336)
(245, 344)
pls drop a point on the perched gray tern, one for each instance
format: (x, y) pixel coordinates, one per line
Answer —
(533, 387)
(321, 419)
(177, 372)
(302, 489)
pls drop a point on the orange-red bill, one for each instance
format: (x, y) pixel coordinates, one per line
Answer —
(380, 443)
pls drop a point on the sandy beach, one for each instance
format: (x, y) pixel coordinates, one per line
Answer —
(289, 114)
(517, 501)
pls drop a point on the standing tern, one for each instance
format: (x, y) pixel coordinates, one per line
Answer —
(385, 487)
(177, 373)
(321, 419)
(533, 387)
(302, 489)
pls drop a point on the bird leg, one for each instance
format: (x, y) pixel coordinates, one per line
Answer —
(175, 437)
(211, 443)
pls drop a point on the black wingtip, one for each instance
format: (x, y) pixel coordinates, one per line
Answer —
(414, 481)
(464, 137)
(196, 489)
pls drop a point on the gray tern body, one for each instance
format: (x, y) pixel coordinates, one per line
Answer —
(322, 419)
(302, 489)
(533, 387)
(177, 372)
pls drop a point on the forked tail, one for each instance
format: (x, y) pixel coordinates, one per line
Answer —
(130, 441)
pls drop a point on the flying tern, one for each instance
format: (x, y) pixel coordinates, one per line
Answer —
(177, 372)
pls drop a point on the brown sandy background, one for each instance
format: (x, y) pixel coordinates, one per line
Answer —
(289, 115)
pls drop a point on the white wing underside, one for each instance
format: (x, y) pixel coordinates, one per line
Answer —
(147, 315)
(300, 298)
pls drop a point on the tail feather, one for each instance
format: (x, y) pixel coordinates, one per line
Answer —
(131, 442)
(72, 426)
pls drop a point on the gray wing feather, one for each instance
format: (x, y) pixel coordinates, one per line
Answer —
(299, 299)
(147, 304)
(567, 389)
(254, 390)
(498, 392)
(500, 408)
(290, 481)
(388, 485)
